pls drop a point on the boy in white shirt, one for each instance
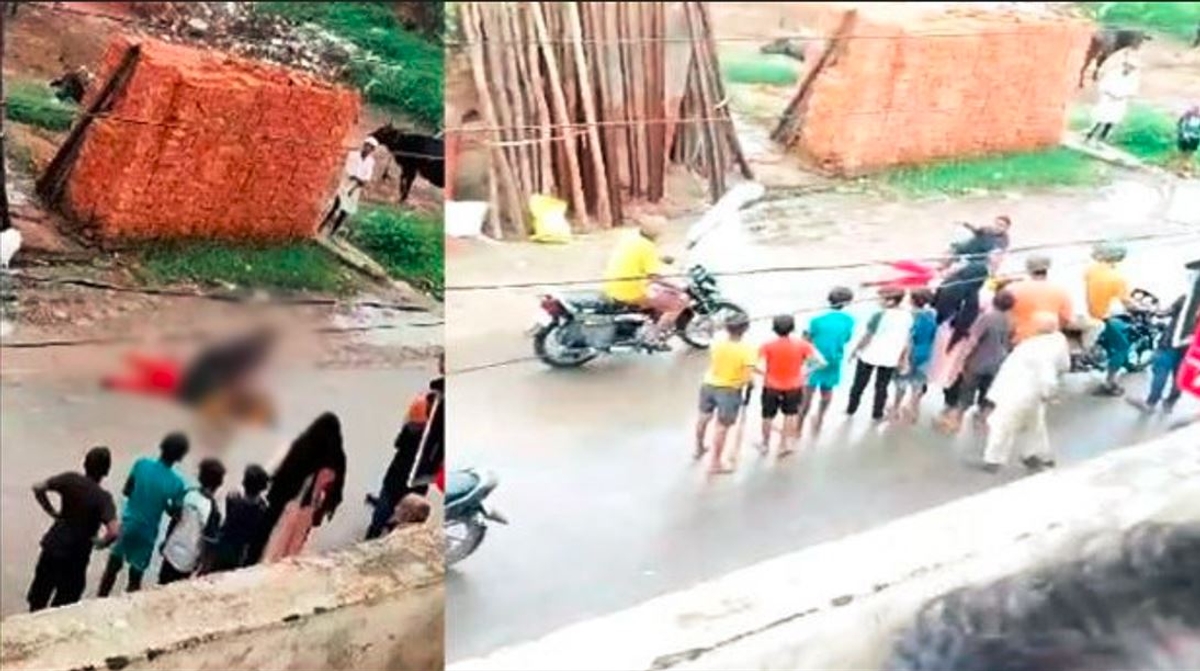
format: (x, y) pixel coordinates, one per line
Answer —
(882, 351)
(195, 528)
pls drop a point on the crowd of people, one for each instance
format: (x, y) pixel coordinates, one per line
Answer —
(270, 517)
(1005, 359)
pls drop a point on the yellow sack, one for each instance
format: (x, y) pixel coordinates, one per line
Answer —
(549, 219)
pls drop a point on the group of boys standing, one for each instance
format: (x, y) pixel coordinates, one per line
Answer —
(197, 540)
(1007, 362)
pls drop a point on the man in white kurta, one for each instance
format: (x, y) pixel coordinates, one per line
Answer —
(359, 168)
(1117, 87)
(1025, 383)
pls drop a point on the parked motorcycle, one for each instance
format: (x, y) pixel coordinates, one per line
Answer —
(466, 516)
(575, 327)
(1145, 325)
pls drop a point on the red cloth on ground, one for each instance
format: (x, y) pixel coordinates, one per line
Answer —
(154, 376)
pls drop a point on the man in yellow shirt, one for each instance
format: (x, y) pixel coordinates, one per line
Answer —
(634, 277)
(1105, 284)
(730, 370)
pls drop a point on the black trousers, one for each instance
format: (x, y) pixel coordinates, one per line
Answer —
(973, 389)
(167, 574)
(334, 218)
(1100, 130)
(58, 580)
(862, 375)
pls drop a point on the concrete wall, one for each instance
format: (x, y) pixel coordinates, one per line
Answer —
(838, 605)
(377, 606)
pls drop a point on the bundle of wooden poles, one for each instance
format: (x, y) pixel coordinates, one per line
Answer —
(589, 101)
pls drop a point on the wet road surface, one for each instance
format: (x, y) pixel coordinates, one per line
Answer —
(48, 424)
(607, 509)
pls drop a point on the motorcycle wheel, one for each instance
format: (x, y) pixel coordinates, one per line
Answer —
(548, 347)
(699, 329)
(1141, 353)
(462, 538)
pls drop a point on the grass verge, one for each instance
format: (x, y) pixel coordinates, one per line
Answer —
(1177, 19)
(1148, 133)
(297, 266)
(34, 103)
(1051, 167)
(399, 70)
(770, 69)
(410, 245)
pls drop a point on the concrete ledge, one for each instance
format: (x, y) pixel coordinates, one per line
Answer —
(378, 605)
(838, 604)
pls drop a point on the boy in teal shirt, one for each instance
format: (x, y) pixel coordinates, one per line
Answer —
(152, 489)
(829, 333)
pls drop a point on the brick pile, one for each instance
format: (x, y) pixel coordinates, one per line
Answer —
(204, 145)
(916, 82)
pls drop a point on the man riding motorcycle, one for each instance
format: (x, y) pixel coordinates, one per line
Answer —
(634, 277)
(1105, 284)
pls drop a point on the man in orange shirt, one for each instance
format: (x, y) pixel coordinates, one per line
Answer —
(1106, 285)
(1037, 294)
(783, 388)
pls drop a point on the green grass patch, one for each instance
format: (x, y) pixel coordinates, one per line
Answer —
(34, 103)
(1177, 19)
(770, 69)
(297, 266)
(410, 245)
(1052, 167)
(1148, 133)
(397, 69)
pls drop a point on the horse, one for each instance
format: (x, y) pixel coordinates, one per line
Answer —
(415, 154)
(1107, 42)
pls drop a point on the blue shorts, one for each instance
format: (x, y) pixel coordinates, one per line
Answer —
(825, 379)
(915, 377)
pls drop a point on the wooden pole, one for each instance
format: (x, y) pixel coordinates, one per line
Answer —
(561, 116)
(716, 157)
(492, 36)
(529, 150)
(5, 216)
(713, 61)
(549, 183)
(516, 86)
(595, 14)
(53, 181)
(793, 115)
(472, 21)
(586, 90)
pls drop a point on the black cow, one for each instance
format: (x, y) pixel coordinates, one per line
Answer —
(415, 154)
(1107, 42)
(785, 46)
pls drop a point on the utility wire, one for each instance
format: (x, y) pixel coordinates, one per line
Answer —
(836, 266)
(759, 318)
(797, 37)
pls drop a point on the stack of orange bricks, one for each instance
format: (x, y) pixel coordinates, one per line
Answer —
(914, 85)
(204, 145)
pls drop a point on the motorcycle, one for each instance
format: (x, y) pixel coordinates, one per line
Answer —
(575, 327)
(466, 516)
(1145, 326)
